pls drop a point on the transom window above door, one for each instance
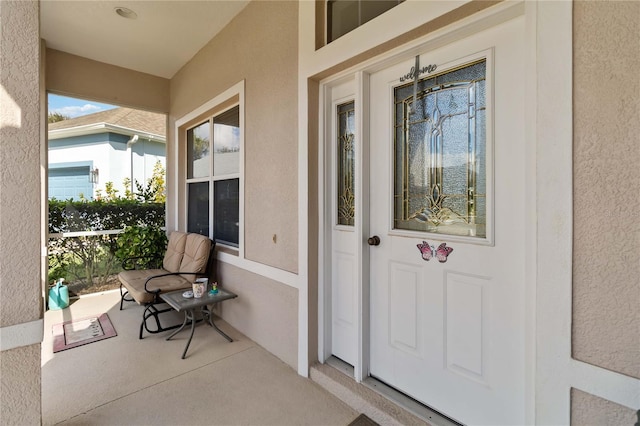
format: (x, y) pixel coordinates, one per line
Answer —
(344, 16)
(440, 183)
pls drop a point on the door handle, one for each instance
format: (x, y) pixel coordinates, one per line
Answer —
(373, 241)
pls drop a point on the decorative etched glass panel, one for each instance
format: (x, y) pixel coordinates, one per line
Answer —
(198, 145)
(346, 163)
(440, 153)
(226, 142)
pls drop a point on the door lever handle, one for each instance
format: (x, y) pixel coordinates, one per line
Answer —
(373, 241)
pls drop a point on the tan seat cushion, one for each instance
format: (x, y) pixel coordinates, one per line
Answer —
(175, 251)
(196, 255)
(134, 283)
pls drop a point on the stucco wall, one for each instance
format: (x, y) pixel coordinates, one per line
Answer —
(83, 78)
(266, 311)
(20, 230)
(20, 393)
(20, 160)
(266, 58)
(606, 290)
(589, 410)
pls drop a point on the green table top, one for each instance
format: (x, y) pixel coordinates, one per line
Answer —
(177, 301)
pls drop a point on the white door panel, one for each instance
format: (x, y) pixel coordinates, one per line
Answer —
(344, 263)
(451, 334)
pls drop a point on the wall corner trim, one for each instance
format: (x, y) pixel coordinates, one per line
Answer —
(270, 272)
(19, 335)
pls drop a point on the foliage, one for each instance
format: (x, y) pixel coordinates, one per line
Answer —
(99, 215)
(88, 260)
(58, 262)
(200, 147)
(85, 260)
(128, 194)
(146, 243)
(92, 259)
(54, 117)
(155, 190)
(112, 193)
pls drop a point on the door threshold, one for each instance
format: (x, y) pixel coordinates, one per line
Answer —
(416, 408)
(380, 402)
(341, 366)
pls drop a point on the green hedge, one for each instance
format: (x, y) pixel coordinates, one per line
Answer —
(92, 260)
(72, 216)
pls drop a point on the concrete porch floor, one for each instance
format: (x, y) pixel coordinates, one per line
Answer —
(126, 381)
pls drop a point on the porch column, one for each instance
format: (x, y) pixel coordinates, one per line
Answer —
(20, 213)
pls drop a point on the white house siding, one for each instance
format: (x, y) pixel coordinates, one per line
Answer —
(145, 155)
(108, 153)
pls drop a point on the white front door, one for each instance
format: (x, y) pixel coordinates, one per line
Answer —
(447, 171)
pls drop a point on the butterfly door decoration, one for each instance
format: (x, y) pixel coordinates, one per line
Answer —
(429, 251)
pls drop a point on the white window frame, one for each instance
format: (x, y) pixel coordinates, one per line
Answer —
(209, 111)
(329, 18)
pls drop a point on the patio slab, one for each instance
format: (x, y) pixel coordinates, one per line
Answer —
(124, 380)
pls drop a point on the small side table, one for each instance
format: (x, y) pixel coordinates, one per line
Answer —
(189, 306)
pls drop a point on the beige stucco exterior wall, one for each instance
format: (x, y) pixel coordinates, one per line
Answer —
(265, 310)
(20, 402)
(83, 78)
(606, 290)
(20, 224)
(589, 410)
(266, 58)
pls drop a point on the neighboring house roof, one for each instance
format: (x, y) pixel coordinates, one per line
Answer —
(122, 120)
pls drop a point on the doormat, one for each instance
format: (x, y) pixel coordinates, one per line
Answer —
(78, 332)
(363, 420)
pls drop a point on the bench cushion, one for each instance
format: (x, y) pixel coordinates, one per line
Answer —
(175, 251)
(134, 283)
(196, 255)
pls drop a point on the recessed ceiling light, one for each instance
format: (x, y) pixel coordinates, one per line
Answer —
(126, 12)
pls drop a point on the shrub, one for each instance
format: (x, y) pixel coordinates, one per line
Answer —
(97, 215)
(84, 260)
(145, 244)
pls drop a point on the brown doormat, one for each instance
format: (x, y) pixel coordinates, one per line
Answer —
(78, 332)
(363, 420)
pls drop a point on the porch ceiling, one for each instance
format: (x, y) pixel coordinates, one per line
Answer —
(164, 36)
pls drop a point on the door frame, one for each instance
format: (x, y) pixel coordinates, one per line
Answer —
(326, 215)
(464, 28)
(551, 372)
